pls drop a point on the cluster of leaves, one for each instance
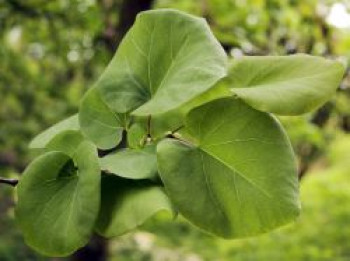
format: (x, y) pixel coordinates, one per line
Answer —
(174, 137)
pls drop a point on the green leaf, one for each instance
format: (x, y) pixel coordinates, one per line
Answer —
(166, 59)
(66, 142)
(161, 124)
(285, 85)
(41, 140)
(239, 179)
(58, 200)
(98, 122)
(137, 134)
(132, 163)
(127, 204)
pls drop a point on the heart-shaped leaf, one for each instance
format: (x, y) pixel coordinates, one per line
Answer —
(41, 140)
(132, 163)
(239, 179)
(166, 59)
(58, 200)
(98, 122)
(285, 85)
(127, 204)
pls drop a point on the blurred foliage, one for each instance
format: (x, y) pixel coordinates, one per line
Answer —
(52, 51)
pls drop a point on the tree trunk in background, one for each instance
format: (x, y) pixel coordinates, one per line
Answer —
(128, 12)
(96, 250)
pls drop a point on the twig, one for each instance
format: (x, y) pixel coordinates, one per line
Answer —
(149, 126)
(177, 129)
(11, 182)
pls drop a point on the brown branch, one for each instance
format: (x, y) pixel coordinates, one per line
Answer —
(11, 182)
(177, 129)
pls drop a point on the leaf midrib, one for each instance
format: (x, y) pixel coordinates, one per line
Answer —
(235, 171)
(173, 62)
(280, 82)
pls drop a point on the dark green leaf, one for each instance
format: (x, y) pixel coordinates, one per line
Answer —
(127, 204)
(58, 200)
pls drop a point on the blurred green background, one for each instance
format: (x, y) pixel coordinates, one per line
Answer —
(51, 52)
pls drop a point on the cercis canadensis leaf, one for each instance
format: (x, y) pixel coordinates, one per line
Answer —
(66, 141)
(98, 122)
(166, 59)
(42, 139)
(127, 204)
(58, 200)
(239, 179)
(132, 163)
(285, 85)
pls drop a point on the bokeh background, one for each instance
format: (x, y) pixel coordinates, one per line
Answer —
(51, 52)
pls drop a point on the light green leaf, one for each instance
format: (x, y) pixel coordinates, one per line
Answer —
(127, 204)
(41, 140)
(166, 59)
(98, 122)
(58, 200)
(137, 134)
(67, 142)
(240, 178)
(132, 163)
(285, 85)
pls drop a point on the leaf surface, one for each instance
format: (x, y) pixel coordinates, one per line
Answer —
(128, 204)
(166, 59)
(137, 134)
(239, 179)
(285, 85)
(42, 139)
(67, 142)
(98, 122)
(58, 200)
(132, 163)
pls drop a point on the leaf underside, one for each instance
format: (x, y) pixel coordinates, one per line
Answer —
(285, 85)
(132, 163)
(128, 204)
